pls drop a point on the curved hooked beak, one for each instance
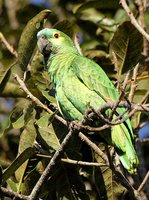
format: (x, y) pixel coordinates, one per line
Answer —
(44, 45)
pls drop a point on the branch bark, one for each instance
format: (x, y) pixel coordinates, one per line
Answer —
(13, 195)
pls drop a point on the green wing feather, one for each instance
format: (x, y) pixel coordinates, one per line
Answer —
(94, 77)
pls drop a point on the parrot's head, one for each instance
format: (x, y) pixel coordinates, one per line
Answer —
(54, 41)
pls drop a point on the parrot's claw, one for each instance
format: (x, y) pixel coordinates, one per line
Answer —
(73, 125)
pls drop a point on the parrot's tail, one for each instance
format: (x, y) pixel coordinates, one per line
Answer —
(122, 140)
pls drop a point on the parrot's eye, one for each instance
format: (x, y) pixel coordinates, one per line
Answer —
(56, 35)
(44, 37)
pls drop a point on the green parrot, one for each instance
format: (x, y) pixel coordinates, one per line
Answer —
(81, 84)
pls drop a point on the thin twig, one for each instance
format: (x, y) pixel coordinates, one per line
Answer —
(115, 63)
(135, 108)
(144, 97)
(141, 12)
(99, 114)
(74, 162)
(145, 140)
(122, 94)
(146, 178)
(8, 46)
(141, 9)
(133, 20)
(93, 129)
(29, 95)
(125, 82)
(94, 147)
(116, 105)
(13, 195)
(133, 83)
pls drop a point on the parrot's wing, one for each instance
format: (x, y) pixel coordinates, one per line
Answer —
(92, 75)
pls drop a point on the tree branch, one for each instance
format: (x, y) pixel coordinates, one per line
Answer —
(133, 83)
(146, 178)
(8, 46)
(13, 195)
(94, 147)
(51, 166)
(74, 162)
(109, 105)
(133, 20)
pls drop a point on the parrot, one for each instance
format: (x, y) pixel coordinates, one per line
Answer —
(81, 84)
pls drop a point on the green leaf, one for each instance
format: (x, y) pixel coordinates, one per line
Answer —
(25, 155)
(19, 116)
(135, 120)
(47, 135)
(43, 122)
(29, 182)
(27, 140)
(102, 4)
(19, 122)
(37, 63)
(49, 97)
(113, 189)
(28, 38)
(12, 184)
(91, 15)
(41, 80)
(13, 90)
(21, 113)
(5, 126)
(126, 44)
(142, 88)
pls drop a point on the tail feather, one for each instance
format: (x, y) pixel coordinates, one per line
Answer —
(121, 139)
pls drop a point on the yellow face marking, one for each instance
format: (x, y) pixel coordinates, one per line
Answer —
(58, 39)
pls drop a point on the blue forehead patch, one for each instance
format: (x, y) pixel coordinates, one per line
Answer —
(45, 31)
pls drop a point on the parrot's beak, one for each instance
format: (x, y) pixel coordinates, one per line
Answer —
(44, 45)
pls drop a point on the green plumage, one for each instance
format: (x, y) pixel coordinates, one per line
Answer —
(80, 84)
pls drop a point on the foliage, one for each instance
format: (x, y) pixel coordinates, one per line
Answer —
(29, 134)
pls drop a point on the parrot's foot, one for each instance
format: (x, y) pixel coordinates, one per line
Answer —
(74, 125)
